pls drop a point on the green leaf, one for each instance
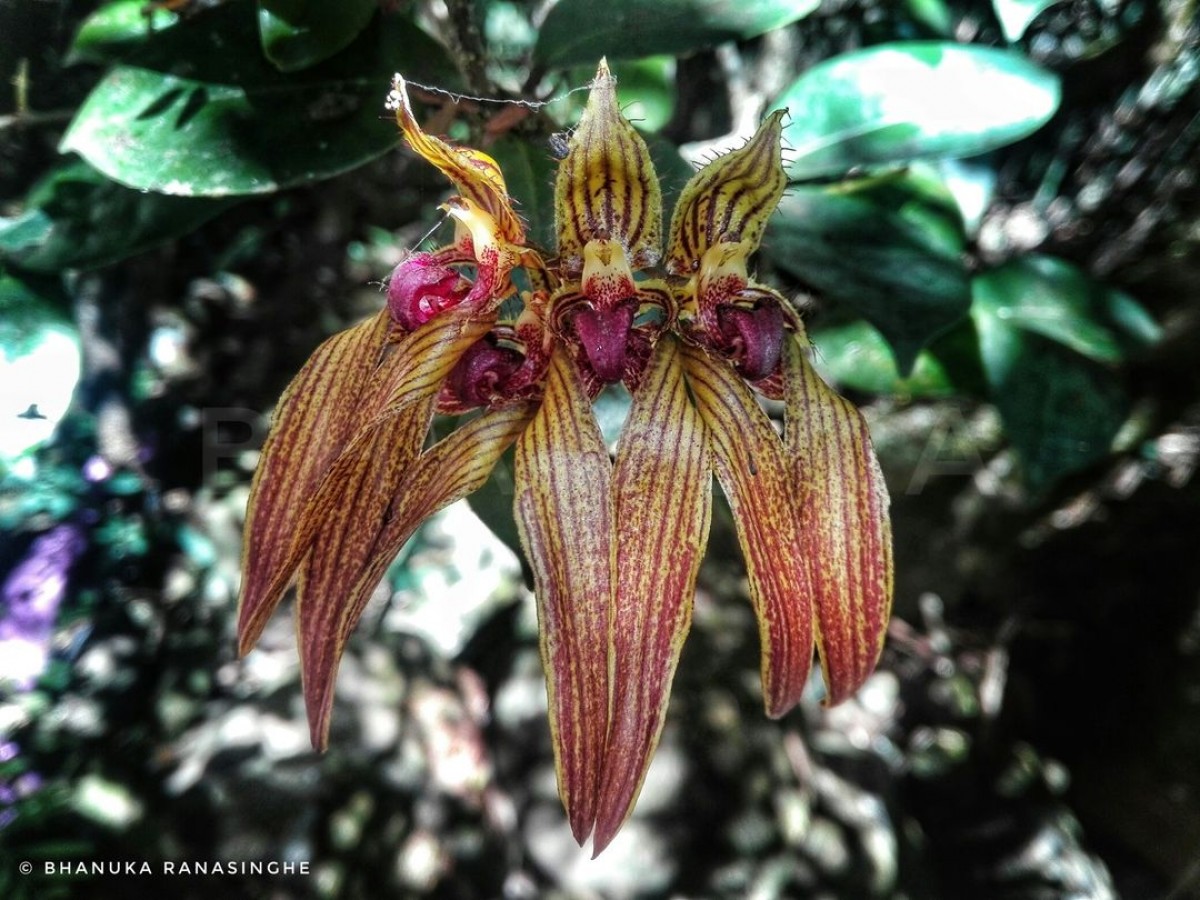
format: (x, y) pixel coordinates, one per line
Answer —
(39, 364)
(1053, 298)
(493, 504)
(645, 90)
(1060, 410)
(577, 32)
(117, 29)
(896, 102)
(855, 355)
(972, 183)
(933, 14)
(890, 250)
(1015, 15)
(529, 171)
(27, 304)
(78, 219)
(200, 112)
(297, 34)
(1048, 335)
(672, 169)
(612, 409)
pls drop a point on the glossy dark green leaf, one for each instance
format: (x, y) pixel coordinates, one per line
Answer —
(891, 251)
(28, 303)
(856, 355)
(672, 169)
(200, 112)
(901, 101)
(529, 171)
(492, 503)
(297, 34)
(578, 32)
(1053, 298)
(79, 219)
(645, 90)
(117, 29)
(1060, 410)
(1048, 335)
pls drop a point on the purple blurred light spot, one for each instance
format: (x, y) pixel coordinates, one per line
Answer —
(29, 603)
(96, 469)
(28, 783)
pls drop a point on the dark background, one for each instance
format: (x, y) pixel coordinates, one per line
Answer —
(1034, 728)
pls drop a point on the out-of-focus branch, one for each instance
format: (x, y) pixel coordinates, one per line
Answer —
(466, 39)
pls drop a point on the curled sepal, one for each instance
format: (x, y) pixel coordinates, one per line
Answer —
(730, 199)
(756, 475)
(847, 533)
(314, 420)
(476, 175)
(421, 287)
(450, 470)
(482, 375)
(663, 500)
(606, 188)
(563, 510)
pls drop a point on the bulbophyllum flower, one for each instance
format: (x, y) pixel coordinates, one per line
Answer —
(347, 473)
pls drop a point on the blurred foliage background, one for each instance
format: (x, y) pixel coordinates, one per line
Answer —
(994, 233)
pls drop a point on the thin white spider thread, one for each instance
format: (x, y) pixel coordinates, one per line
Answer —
(436, 225)
(500, 101)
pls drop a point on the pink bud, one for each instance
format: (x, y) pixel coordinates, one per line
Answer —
(604, 334)
(755, 336)
(421, 287)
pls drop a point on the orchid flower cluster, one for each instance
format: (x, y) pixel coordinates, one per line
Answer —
(349, 470)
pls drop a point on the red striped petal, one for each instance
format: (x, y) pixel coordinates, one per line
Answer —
(314, 420)
(339, 579)
(756, 475)
(606, 188)
(729, 200)
(564, 514)
(340, 525)
(420, 363)
(663, 496)
(847, 533)
(345, 519)
(411, 374)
